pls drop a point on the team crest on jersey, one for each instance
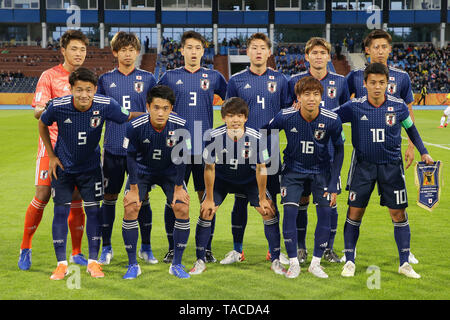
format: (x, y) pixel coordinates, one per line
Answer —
(331, 92)
(390, 119)
(139, 86)
(392, 88)
(272, 86)
(246, 153)
(171, 141)
(204, 84)
(319, 134)
(95, 121)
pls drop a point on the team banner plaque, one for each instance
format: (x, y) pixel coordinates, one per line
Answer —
(428, 181)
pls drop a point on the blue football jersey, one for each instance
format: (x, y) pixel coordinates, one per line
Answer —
(194, 93)
(335, 90)
(152, 148)
(399, 84)
(79, 133)
(131, 92)
(265, 94)
(307, 142)
(376, 131)
(235, 161)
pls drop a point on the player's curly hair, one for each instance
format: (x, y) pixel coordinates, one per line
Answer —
(234, 105)
(73, 34)
(124, 39)
(308, 84)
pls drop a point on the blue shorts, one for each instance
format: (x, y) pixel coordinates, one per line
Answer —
(197, 167)
(89, 184)
(147, 182)
(390, 180)
(248, 190)
(114, 168)
(295, 185)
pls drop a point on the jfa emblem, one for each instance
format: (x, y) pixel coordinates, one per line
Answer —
(283, 191)
(390, 119)
(272, 86)
(171, 141)
(139, 86)
(246, 153)
(352, 196)
(319, 134)
(95, 121)
(331, 92)
(392, 88)
(204, 84)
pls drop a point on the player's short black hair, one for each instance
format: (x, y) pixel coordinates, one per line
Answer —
(83, 74)
(376, 68)
(73, 34)
(163, 92)
(234, 105)
(377, 34)
(191, 34)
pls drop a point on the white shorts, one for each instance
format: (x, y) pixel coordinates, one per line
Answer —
(447, 111)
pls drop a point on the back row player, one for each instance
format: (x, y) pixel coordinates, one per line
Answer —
(194, 88)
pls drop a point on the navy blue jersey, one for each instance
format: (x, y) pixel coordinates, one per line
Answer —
(265, 94)
(79, 133)
(399, 84)
(335, 90)
(235, 161)
(152, 149)
(194, 93)
(307, 142)
(131, 92)
(376, 131)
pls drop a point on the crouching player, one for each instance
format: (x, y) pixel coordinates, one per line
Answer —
(377, 120)
(307, 167)
(230, 159)
(152, 142)
(75, 161)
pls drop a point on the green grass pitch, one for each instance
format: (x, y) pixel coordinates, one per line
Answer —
(249, 280)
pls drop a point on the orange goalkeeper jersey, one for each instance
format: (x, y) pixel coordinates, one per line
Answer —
(53, 83)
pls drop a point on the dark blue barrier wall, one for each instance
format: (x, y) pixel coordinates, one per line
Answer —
(19, 15)
(60, 16)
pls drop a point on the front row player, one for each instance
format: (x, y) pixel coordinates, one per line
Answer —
(152, 141)
(75, 161)
(376, 121)
(307, 167)
(230, 159)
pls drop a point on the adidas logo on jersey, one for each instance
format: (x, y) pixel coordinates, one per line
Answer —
(364, 117)
(113, 85)
(247, 86)
(146, 141)
(68, 120)
(179, 82)
(294, 129)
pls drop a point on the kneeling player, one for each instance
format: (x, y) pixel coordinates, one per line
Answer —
(75, 161)
(307, 167)
(376, 121)
(151, 160)
(230, 158)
